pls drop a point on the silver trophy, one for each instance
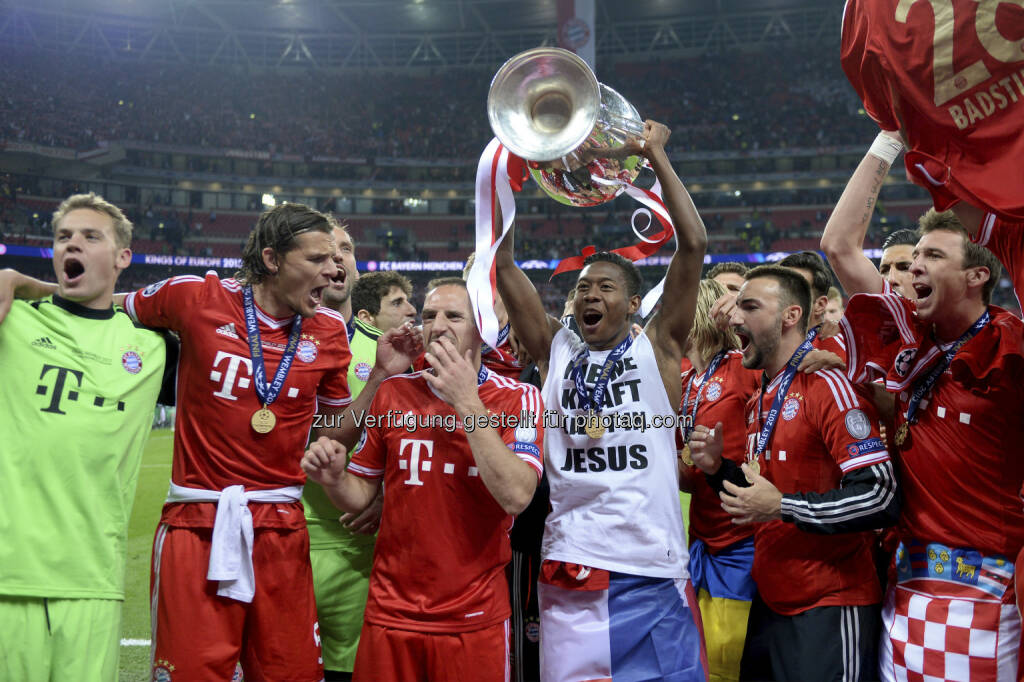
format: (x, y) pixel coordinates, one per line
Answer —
(547, 107)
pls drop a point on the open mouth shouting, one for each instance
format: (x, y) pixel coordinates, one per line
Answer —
(338, 281)
(74, 271)
(317, 295)
(744, 339)
(922, 291)
(590, 319)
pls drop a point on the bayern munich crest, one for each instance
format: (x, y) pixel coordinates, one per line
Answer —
(574, 33)
(713, 391)
(363, 371)
(306, 351)
(790, 409)
(162, 670)
(131, 362)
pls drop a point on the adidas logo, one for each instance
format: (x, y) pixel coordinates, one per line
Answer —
(44, 342)
(228, 330)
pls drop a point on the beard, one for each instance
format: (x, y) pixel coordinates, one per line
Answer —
(333, 298)
(762, 346)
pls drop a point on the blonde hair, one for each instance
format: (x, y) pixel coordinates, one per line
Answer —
(94, 202)
(706, 337)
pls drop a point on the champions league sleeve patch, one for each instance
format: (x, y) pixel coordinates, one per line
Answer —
(154, 287)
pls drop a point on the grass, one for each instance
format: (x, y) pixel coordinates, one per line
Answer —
(149, 499)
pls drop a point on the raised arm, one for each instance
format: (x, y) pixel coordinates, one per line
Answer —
(533, 326)
(14, 285)
(670, 326)
(843, 238)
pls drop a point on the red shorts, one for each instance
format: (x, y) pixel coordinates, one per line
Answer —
(392, 655)
(203, 636)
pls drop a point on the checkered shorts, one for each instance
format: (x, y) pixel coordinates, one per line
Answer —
(928, 637)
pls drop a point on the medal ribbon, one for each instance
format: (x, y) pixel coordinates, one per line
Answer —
(710, 372)
(788, 373)
(267, 394)
(502, 335)
(922, 387)
(591, 402)
(481, 375)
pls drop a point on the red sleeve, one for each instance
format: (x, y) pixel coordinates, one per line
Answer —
(876, 327)
(1002, 238)
(525, 434)
(370, 454)
(833, 344)
(864, 66)
(166, 303)
(333, 389)
(848, 425)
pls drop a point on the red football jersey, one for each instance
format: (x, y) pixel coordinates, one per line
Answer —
(722, 399)
(439, 562)
(502, 361)
(1004, 240)
(823, 432)
(834, 344)
(960, 468)
(951, 74)
(215, 445)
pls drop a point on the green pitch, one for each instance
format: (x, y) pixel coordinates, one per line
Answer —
(149, 499)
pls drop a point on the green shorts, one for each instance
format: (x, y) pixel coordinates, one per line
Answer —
(59, 639)
(341, 580)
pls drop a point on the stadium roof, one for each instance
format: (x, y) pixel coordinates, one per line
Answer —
(396, 33)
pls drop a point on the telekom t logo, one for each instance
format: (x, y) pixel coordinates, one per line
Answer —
(415, 447)
(227, 377)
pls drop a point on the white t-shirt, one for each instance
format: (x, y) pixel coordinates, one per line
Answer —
(615, 500)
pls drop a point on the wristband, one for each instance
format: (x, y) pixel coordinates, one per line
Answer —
(886, 148)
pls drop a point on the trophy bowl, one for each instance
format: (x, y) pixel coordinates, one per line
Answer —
(547, 107)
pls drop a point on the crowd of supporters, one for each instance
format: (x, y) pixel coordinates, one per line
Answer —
(795, 97)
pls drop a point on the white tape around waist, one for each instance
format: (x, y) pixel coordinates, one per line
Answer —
(231, 548)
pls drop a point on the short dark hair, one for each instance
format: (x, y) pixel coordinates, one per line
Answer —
(371, 287)
(630, 272)
(726, 267)
(821, 276)
(452, 282)
(900, 238)
(446, 281)
(973, 255)
(795, 290)
(277, 228)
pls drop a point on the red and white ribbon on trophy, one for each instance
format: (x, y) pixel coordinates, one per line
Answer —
(499, 175)
(496, 173)
(646, 247)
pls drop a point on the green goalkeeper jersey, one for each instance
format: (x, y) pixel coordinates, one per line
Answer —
(321, 514)
(79, 387)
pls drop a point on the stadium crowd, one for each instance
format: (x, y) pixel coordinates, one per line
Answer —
(792, 97)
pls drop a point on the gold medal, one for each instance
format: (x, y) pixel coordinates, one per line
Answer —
(901, 433)
(687, 455)
(595, 429)
(263, 420)
(755, 469)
